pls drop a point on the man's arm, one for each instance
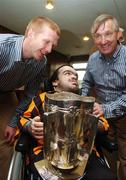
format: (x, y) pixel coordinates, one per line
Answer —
(88, 82)
(113, 109)
(10, 130)
(31, 89)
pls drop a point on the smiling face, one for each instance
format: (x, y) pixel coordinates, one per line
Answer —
(67, 80)
(42, 43)
(106, 38)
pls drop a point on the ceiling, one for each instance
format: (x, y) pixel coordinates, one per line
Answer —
(74, 17)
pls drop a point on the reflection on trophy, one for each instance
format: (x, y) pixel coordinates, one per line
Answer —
(69, 132)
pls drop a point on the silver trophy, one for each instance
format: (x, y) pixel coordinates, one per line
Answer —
(69, 132)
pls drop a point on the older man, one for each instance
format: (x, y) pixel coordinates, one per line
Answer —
(106, 72)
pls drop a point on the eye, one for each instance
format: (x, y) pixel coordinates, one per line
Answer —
(46, 42)
(109, 34)
(67, 73)
(97, 36)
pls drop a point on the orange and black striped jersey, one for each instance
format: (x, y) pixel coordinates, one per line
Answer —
(35, 108)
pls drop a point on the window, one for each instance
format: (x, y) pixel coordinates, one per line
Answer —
(81, 69)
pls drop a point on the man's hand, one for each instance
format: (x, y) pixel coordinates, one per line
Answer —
(36, 128)
(97, 110)
(9, 135)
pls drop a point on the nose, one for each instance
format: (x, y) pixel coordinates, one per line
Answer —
(74, 77)
(48, 48)
(103, 39)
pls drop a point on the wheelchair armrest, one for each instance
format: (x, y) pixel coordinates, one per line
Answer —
(22, 144)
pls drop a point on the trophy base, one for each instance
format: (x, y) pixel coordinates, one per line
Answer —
(49, 172)
(65, 166)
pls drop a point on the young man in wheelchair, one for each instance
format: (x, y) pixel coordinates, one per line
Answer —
(65, 78)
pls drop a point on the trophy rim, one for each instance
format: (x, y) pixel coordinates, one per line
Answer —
(69, 96)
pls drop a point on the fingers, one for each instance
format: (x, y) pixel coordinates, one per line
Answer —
(101, 126)
(37, 119)
(37, 125)
(10, 135)
(39, 137)
(10, 140)
(37, 128)
(97, 110)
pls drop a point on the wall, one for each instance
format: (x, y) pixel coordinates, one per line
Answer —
(6, 30)
(55, 60)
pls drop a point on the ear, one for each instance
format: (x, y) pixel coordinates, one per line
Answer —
(30, 33)
(120, 36)
(55, 83)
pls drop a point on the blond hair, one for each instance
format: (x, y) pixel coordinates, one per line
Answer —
(101, 20)
(38, 22)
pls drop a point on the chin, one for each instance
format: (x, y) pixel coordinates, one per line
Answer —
(75, 91)
(39, 57)
(107, 52)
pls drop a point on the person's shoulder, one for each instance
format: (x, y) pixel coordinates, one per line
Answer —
(9, 37)
(94, 56)
(121, 50)
(42, 95)
(123, 47)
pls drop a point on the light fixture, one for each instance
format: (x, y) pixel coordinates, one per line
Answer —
(49, 4)
(86, 38)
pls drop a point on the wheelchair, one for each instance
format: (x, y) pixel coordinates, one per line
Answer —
(17, 165)
(18, 168)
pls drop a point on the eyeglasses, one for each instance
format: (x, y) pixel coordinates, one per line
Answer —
(107, 36)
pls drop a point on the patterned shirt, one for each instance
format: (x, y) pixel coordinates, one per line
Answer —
(16, 72)
(108, 77)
